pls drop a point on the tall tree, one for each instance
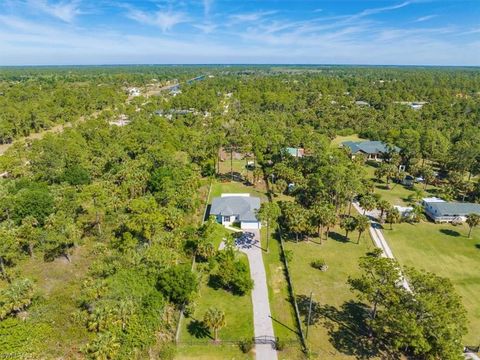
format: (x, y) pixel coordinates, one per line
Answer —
(473, 220)
(269, 213)
(348, 223)
(215, 319)
(362, 224)
(368, 203)
(393, 216)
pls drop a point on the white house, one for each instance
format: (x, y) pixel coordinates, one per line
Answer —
(442, 211)
(134, 92)
(236, 208)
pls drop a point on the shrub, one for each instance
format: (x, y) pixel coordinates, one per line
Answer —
(233, 274)
(280, 345)
(319, 264)
(167, 352)
(246, 345)
(178, 283)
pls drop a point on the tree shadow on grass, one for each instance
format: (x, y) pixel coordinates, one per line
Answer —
(198, 329)
(477, 246)
(346, 327)
(214, 282)
(450, 232)
(338, 237)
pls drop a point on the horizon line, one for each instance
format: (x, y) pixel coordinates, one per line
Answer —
(237, 64)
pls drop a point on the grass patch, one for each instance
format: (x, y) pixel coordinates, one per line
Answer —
(397, 194)
(330, 288)
(340, 139)
(444, 250)
(49, 330)
(219, 188)
(211, 352)
(238, 314)
(283, 316)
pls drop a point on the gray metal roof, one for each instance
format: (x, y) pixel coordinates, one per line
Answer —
(453, 208)
(368, 147)
(242, 206)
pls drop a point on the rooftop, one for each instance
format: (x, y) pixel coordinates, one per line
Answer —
(454, 208)
(236, 204)
(368, 147)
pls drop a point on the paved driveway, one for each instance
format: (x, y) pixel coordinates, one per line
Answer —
(249, 243)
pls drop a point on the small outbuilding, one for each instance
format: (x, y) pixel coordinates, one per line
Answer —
(295, 152)
(230, 209)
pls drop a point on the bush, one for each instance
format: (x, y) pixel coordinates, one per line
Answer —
(167, 352)
(232, 274)
(319, 264)
(178, 284)
(280, 345)
(246, 345)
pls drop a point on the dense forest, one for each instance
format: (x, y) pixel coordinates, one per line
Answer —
(128, 200)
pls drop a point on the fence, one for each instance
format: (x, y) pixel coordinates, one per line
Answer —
(180, 316)
(256, 340)
(292, 293)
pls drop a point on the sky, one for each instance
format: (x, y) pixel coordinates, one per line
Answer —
(389, 32)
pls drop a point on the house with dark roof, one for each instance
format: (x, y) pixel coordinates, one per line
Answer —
(229, 209)
(374, 150)
(443, 211)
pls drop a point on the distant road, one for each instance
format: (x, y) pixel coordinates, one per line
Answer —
(54, 130)
(59, 128)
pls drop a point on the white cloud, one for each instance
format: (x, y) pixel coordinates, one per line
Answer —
(207, 6)
(165, 20)
(250, 17)
(425, 18)
(66, 11)
(206, 27)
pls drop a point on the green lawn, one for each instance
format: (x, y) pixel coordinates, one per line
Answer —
(211, 352)
(219, 188)
(397, 194)
(339, 139)
(444, 250)
(284, 323)
(238, 315)
(330, 289)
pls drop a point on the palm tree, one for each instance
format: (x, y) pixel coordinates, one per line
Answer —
(16, 297)
(362, 224)
(416, 214)
(393, 216)
(269, 213)
(103, 347)
(383, 205)
(124, 310)
(472, 221)
(368, 203)
(214, 319)
(348, 224)
(320, 216)
(330, 220)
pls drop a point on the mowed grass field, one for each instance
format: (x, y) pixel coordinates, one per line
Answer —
(197, 341)
(283, 316)
(445, 250)
(330, 290)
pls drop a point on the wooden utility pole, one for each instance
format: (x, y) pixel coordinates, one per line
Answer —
(309, 314)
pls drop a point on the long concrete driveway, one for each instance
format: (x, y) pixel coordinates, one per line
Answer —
(378, 237)
(249, 243)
